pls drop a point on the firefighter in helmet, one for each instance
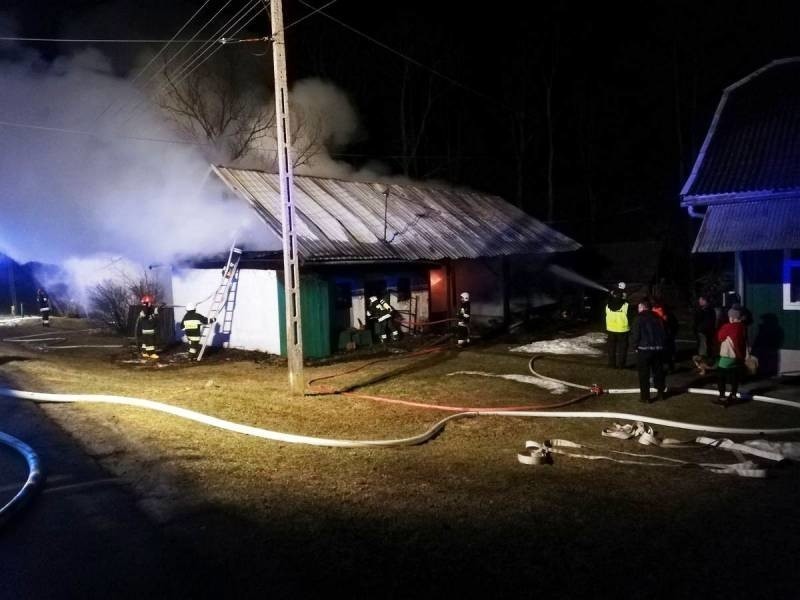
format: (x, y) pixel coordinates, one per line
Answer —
(44, 306)
(146, 327)
(462, 333)
(381, 312)
(192, 323)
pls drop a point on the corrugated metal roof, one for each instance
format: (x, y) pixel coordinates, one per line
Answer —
(758, 225)
(753, 144)
(344, 220)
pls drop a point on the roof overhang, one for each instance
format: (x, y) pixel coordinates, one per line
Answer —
(762, 225)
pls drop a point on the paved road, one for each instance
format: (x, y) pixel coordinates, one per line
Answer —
(82, 536)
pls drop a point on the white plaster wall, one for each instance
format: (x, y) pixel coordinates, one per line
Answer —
(357, 311)
(256, 320)
(789, 361)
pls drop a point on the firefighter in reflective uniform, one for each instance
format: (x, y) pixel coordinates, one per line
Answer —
(44, 307)
(381, 311)
(462, 334)
(192, 323)
(617, 327)
(146, 327)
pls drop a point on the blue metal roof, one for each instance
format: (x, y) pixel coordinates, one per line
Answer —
(350, 220)
(752, 148)
(757, 225)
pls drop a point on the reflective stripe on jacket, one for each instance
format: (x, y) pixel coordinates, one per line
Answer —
(617, 320)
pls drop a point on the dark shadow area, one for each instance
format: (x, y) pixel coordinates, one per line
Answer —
(767, 343)
(4, 360)
(564, 549)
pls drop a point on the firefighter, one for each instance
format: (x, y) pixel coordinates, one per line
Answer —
(146, 327)
(44, 306)
(617, 327)
(192, 323)
(381, 312)
(462, 334)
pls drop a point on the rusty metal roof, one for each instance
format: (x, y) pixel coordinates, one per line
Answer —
(758, 225)
(349, 220)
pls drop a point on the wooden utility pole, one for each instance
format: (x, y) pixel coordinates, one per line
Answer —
(291, 271)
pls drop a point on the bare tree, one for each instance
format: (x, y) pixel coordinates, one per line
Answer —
(111, 300)
(211, 104)
(227, 108)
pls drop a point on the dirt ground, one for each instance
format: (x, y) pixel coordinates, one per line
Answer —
(456, 516)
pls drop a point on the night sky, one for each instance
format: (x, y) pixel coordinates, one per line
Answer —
(632, 89)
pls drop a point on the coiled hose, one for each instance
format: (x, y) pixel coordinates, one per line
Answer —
(32, 484)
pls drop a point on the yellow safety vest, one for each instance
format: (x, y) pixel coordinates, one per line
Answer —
(617, 320)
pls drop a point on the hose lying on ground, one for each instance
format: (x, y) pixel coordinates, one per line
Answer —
(691, 390)
(32, 483)
(36, 338)
(344, 391)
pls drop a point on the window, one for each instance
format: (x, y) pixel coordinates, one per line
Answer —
(791, 280)
(344, 295)
(403, 289)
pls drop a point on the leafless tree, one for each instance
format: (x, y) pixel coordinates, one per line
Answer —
(111, 300)
(227, 108)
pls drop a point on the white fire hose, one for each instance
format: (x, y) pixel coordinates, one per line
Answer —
(32, 483)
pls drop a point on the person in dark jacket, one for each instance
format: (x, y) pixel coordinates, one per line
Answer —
(648, 336)
(705, 327)
(44, 306)
(192, 323)
(671, 326)
(463, 320)
(617, 327)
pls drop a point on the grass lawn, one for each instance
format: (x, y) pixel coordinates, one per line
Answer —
(457, 516)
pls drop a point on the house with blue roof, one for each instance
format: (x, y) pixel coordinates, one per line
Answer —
(745, 186)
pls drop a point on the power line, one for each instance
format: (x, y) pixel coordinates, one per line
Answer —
(174, 56)
(184, 70)
(99, 40)
(405, 56)
(311, 14)
(159, 53)
(97, 135)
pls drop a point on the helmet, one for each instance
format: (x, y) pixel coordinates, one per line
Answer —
(147, 299)
(191, 306)
(465, 296)
(621, 285)
(373, 298)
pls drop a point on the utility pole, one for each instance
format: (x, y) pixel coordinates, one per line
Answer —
(291, 271)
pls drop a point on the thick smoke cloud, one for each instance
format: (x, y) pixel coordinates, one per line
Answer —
(80, 184)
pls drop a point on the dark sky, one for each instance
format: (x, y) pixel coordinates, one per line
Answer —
(632, 87)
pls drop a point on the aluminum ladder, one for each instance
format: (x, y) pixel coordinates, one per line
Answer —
(221, 296)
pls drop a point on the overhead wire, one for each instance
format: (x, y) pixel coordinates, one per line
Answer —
(202, 54)
(405, 57)
(214, 39)
(160, 52)
(98, 135)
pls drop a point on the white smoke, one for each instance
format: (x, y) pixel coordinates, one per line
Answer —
(77, 184)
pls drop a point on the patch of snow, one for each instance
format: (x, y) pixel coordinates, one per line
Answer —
(583, 344)
(14, 321)
(554, 387)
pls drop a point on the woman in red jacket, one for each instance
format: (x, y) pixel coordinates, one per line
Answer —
(732, 338)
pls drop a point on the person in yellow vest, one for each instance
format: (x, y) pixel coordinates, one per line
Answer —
(617, 327)
(192, 323)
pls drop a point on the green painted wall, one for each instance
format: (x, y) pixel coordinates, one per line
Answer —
(315, 316)
(763, 295)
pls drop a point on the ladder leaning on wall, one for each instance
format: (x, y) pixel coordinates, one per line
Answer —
(221, 296)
